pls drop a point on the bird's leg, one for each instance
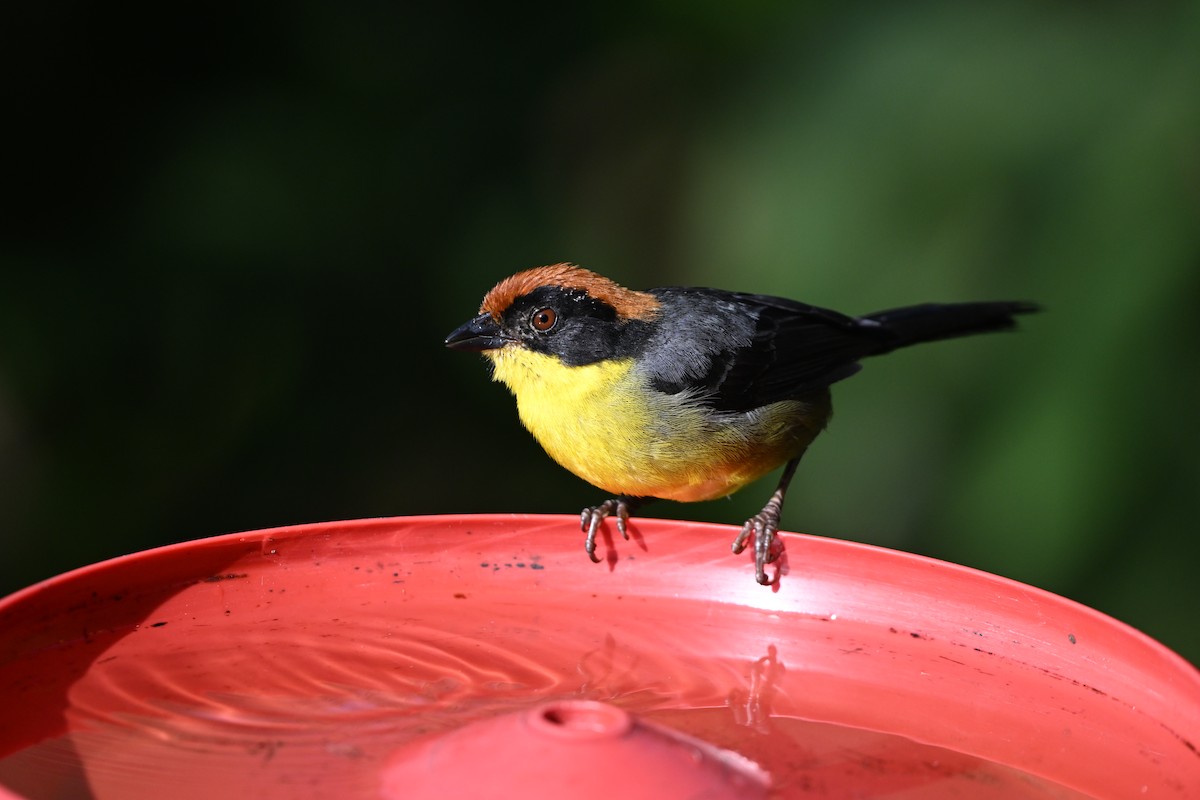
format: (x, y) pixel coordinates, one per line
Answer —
(590, 519)
(764, 525)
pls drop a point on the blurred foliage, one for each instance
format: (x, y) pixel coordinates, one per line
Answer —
(243, 231)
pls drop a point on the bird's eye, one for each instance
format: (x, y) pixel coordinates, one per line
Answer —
(543, 320)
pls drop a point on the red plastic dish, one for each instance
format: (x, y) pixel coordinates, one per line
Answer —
(308, 661)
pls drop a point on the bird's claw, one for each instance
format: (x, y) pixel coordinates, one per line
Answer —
(762, 527)
(590, 519)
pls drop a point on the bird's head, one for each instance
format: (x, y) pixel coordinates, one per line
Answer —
(560, 310)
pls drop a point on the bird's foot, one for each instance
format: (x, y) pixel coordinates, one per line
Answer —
(762, 527)
(590, 519)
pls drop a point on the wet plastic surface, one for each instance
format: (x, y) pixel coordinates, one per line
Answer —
(301, 662)
(569, 749)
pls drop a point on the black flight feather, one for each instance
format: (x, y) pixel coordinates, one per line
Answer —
(741, 351)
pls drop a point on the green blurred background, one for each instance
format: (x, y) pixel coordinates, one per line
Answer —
(242, 232)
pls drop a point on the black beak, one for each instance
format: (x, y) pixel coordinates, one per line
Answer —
(481, 333)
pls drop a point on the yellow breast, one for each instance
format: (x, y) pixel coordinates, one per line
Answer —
(605, 424)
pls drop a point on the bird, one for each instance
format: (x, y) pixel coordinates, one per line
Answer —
(685, 393)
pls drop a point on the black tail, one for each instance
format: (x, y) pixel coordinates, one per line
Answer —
(932, 321)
